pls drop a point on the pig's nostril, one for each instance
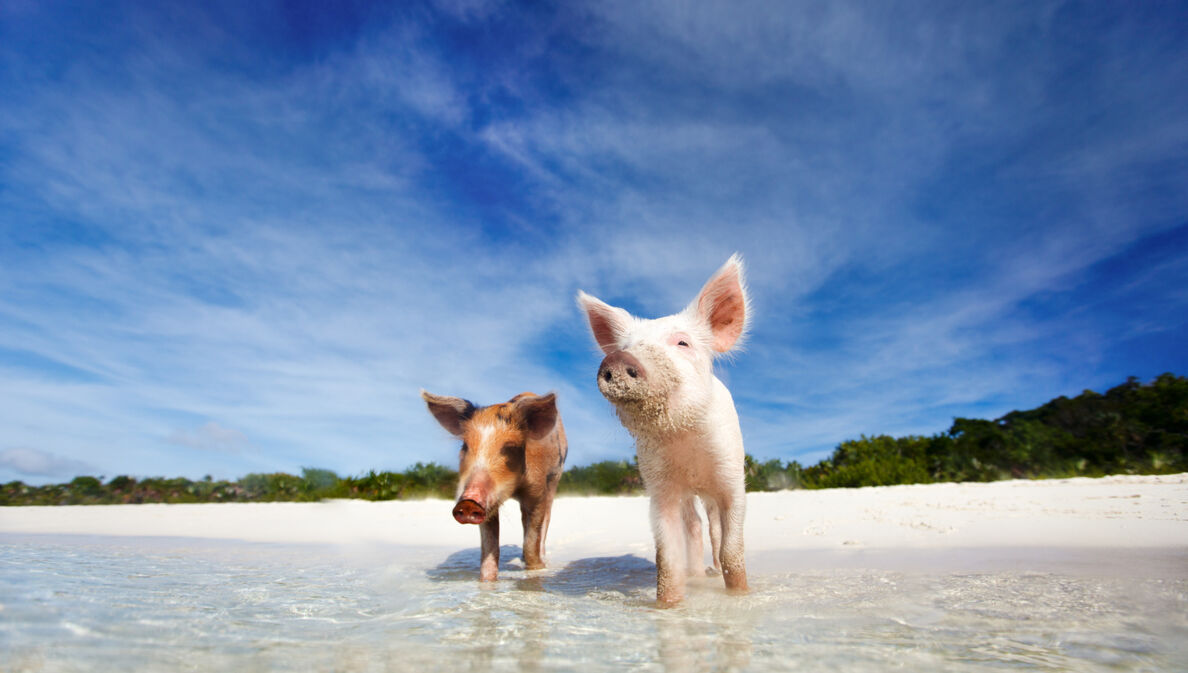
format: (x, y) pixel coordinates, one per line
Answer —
(632, 373)
(606, 375)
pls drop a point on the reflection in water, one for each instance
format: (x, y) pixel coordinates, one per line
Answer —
(687, 645)
(97, 604)
(522, 627)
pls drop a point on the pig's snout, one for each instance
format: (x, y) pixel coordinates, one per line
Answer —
(620, 364)
(620, 376)
(475, 497)
(469, 511)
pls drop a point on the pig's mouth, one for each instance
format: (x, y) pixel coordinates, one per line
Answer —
(469, 511)
(620, 391)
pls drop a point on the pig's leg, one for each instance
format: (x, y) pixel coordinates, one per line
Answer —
(532, 516)
(669, 531)
(544, 528)
(547, 506)
(489, 534)
(694, 545)
(734, 569)
(713, 515)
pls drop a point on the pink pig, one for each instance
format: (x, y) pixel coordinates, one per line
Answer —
(659, 375)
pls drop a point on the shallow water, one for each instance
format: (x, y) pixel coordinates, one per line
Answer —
(99, 604)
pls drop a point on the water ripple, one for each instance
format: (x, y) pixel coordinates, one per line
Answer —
(99, 604)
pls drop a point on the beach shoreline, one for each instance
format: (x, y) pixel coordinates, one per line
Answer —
(1131, 512)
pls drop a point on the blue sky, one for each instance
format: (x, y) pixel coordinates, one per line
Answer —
(240, 238)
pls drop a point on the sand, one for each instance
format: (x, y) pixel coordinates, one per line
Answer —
(1122, 512)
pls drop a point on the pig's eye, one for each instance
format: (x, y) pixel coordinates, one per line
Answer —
(683, 343)
(513, 455)
(464, 447)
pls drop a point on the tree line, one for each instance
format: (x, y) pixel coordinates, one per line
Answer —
(1132, 428)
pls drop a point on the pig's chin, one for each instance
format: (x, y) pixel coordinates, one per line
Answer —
(624, 391)
(652, 413)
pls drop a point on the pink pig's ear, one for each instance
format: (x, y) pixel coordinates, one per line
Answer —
(608, 323)
(451, 412)
(723, 304)
(539, 413)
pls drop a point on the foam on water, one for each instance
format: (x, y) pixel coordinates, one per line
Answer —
(98, 604)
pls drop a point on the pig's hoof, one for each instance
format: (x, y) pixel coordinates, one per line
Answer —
(666, 603)
(712, 572)
(534, 566)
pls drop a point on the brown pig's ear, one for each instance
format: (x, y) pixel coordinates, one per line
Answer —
(451, 412)
(539, 413)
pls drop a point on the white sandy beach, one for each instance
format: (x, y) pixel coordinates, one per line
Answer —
(1078, 574)
(1126, 512)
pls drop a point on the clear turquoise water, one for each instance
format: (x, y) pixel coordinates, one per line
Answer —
(104, 604)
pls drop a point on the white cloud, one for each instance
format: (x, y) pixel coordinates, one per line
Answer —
(37, 463)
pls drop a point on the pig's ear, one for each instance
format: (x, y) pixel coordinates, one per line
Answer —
(608, 323)
(539, 413)
(451, 412)
(723, 305)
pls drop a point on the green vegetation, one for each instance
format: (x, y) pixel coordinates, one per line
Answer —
(610, 477)
(1131, 429)
(419, 481)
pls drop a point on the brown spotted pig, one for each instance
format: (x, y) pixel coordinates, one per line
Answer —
(515, 449)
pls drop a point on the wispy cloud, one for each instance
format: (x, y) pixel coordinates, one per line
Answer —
(209, 437)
